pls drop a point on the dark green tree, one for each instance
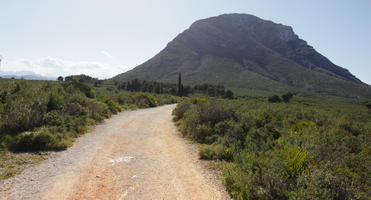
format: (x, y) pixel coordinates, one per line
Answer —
(211, 91)
(135, 85)
(274, 99)
(368, 104)
(172, 91)
(186, 90)
(157, 88)
(180, 86)
(287, 97)
(229, 94)
(128, 86)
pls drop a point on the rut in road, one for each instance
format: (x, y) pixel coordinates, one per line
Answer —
(134, 155)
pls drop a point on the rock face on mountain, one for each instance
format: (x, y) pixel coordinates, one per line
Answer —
(244, 51)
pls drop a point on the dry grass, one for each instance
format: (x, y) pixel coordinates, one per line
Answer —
(14, 163)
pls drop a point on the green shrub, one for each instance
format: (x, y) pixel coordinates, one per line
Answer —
(75, 109)
(299, 126)
(200, 120)
(79, 124)
(260, 139)
(211, 152)
(22, 115)
(79, 99)
(55, 102)
(3, 96)
(144, 100)
(197, 100)
(255, 177)
(214, 112)
(295, 161)
(53, 118)
(326, 183)
(16, 89)
(98, 111)
(203, 133)
(121, 100)
(206, 152)
(181, 108)
(352, 128)
(86, 89)
(33, 141)
(113, 106)
(42, 141)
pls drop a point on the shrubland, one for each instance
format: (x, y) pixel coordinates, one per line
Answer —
(306, 148)
(49, 115)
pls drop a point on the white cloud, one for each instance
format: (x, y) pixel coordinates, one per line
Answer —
(54, 67)
(106, 54)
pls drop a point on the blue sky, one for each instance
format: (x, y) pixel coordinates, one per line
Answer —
(102, 38)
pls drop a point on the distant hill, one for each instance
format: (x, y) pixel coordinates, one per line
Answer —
(244, 51)
(28, 75)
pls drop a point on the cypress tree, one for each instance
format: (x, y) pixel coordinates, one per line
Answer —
(180, 86)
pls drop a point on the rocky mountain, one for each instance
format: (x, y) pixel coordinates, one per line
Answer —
(244, 51)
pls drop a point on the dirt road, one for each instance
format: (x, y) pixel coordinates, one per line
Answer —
(134, 155)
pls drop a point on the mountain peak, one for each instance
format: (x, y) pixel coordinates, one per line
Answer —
(244, 51)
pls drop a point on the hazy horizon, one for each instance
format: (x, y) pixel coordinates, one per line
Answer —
(105, 38)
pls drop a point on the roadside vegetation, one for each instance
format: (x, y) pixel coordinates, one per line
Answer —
(48, 115)
(283, 146)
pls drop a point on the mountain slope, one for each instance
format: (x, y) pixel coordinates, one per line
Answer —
(244, 51)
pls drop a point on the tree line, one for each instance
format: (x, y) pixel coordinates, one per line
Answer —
(137, 85)
(178, 89)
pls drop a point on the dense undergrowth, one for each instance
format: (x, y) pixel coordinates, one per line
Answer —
(48, 115)
(305, 149)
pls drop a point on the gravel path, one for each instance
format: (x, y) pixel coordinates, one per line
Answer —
(134, 155)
